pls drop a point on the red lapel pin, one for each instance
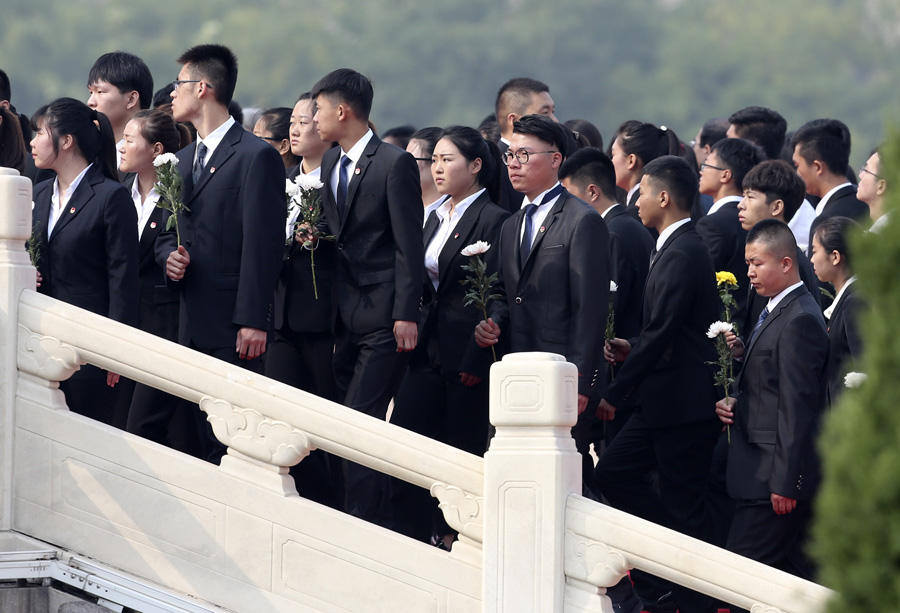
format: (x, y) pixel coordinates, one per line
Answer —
(456, 235)
(72, 210)
(212, 170)
(357, 171)
(542, 228)
(152, 224)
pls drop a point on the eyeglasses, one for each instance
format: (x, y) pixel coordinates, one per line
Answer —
(178, 83)
(429, 160)
(521, 155)
(864, 169)
(705, 165)
(273, 139)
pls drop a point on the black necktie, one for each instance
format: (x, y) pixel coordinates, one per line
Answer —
(759, 323)
(653, 257)
(525, 246)
(198, 163)
(342, 186)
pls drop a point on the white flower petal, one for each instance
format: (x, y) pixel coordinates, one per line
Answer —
(855, 379)
(718, 327)
(476, 248)
(165, 158)
(613, 287)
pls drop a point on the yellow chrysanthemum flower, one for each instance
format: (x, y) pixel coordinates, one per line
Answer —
(725, 277)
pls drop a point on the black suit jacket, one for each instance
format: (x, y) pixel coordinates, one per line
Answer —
(558, 301)
(158, 313)
(234, 233)
(511, 200)
(91, 258)
(378, 264)
(448, 323)
(725, 239)
(629, 247)
(842, 203)
(844, 343)
(668, 360)
(779, 402)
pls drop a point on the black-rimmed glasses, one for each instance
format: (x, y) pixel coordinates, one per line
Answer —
(705, 165)
(178, 83)
(864, 169)
(521, 155)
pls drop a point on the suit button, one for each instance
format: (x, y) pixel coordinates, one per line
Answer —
(518, 300)
(187, 243)
(340, 246)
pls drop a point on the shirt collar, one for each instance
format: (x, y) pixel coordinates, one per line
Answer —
(636, 187)
(828, 312)
(215, 137)
(718, 204)
(443, 211)
(72, 187)
(606, 212)
(526, 202)
(774, 300)
(821, 206)
(357, 149)
(665, 234)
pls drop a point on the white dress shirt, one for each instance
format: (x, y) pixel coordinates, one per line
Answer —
(212, 141)
(824, 201)
(434, 205)
(718, 204)
(801, 222)
(144, 208)
(774, 300)
(57, 204)
(665, 234)
(837, 299)
(448, 223)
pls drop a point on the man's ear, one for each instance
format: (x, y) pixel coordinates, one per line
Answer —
(777, 207)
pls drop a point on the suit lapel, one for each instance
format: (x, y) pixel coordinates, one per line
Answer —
(431, 226)
(785, 302)
(185, 165)
(360, 172)
(459, 238)
(328, 202)
(151, 231)
(681, 230)
(219, 157)
(83, 193)
(545, 226)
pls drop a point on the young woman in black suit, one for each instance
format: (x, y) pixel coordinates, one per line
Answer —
(84, 223)
(444, 394)
(831, 261)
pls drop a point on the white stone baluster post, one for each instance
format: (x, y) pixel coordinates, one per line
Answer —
(16, 274)
(529, 471)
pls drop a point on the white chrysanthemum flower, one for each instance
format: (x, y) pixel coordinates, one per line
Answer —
(291, 188)
(165, 158)
(308, 183)
(613, 287)
(718, 327)
(476, 248)
(855, 379)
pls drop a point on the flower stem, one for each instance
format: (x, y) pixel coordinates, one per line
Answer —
(312, 266)
(177, 232)
(484, 312)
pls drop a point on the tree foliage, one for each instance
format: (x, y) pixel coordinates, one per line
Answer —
(672, 62)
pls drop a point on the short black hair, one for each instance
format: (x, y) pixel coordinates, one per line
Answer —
(762, 126)
(403, 134)
(833, 235)
(585, 133)
(826, 140)
(125, 71)
(349, 87)
(738, 156)
(675, 176)
(5, 87)
(217, 66)
(591, 165)
(547, 130)
(778, 181)
(516, 94)
(713, 131)
(429, 137)
(776, 235)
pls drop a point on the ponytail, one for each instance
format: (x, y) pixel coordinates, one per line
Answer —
(106, 150)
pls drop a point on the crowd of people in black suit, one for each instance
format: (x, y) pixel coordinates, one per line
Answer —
(607, 257)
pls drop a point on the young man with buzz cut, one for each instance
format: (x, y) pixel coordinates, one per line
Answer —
(774, 412)
(674, 430)
(373, 207)
(232, 230)
(120, 85)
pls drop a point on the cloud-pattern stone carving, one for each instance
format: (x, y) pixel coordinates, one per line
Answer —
(461, 509)
(593, 562)
(255, 435)
(45, 356)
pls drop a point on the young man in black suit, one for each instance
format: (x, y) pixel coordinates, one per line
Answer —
(675, 428)
(821, 156)
(589, 174)
(373, 206)
(554, 263)
(233, 230)
(516, 98)
(721, 177)
(773, 468)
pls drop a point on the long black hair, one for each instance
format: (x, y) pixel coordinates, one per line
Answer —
(91, 130)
